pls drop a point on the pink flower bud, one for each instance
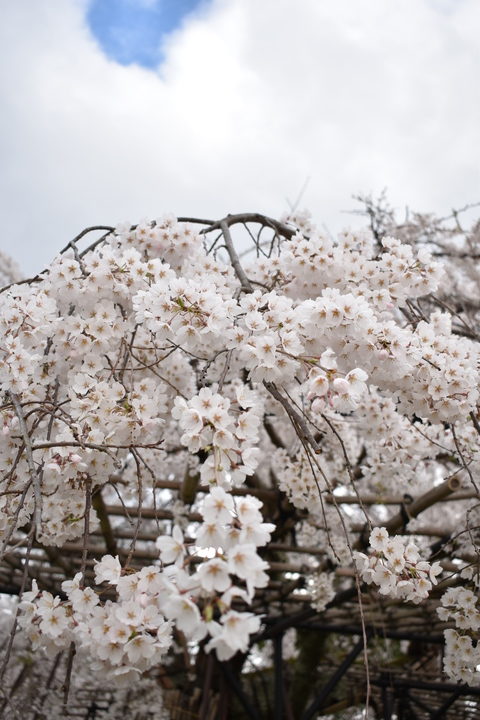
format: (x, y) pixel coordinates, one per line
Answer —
(318, 405)
(341, 386)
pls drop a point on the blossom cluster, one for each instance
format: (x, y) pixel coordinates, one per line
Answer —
(200, 601)
(321, 590)
(398, 453)
(122, 637)
(230, 441)
(396, 567)
(131, 633)
(327, 389)
(462, 651)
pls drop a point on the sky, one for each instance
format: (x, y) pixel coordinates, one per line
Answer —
(119, 110)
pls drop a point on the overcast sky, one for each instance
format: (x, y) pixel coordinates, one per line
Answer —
(122, 109)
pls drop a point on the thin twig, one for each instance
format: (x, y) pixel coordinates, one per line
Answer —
(15, 620)
(139, 508)
(86, 529)
(464, 463)
(68, 676)
(34, 472)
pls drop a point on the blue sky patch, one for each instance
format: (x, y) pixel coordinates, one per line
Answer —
(132, 31)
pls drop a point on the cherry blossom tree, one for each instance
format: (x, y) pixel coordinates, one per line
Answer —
(239, 467)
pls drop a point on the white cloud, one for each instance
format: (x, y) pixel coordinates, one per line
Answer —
(253, 98)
